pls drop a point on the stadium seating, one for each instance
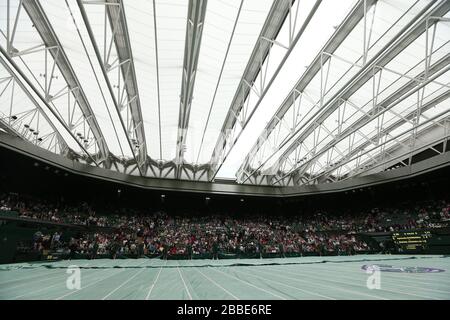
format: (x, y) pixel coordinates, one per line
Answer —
(214, 236)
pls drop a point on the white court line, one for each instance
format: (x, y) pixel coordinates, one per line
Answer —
(45, 288)
(40, 274)
(307, 282)
(218, 285)
(187, 290)
(33, 282)
(124, 283)
(347, 283)
(154, 282)
(326, 285)
(152, 260)
(384, 276)
(289, 286)
(393, 285)
(109, 294)
(37, 281)
(90, 285)
(179, 270)
(248, 283)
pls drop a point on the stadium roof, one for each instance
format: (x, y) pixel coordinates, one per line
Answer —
(264, 92)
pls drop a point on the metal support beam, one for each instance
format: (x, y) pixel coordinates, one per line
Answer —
(408, 34)
(279, 12)
(19, 76)
(27, 124)
(341, 33)
(141, 165)
(117, 19)
(45, 30)
(194, 31)
(404, 150)
(379, 109)
(385, 56)
(361, 150)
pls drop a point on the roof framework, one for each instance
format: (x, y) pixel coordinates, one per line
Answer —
(54, 64)
(194, 31)
(299, 151)
(26, 124)
(192, 89)
(126, 96)
(256, 77)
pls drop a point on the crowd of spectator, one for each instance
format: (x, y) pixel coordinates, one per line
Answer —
(134, 232)
(160, 234)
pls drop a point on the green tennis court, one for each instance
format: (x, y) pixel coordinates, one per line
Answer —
(410, 277)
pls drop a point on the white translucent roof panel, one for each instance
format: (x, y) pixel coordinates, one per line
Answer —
(34, 62)
(90, 76)
(401, 112)
(442, 107)
(157, 31)
(171, 20)
(381, 24)
(210, 106)
(301, 10)
(277, 53)
(408, 62)
(140, 22)
(25, 118)
(164, 57)
(428, 134)
(346, 61)
(329, 14)
(105, 43)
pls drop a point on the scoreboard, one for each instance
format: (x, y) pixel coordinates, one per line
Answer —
(412, 240)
